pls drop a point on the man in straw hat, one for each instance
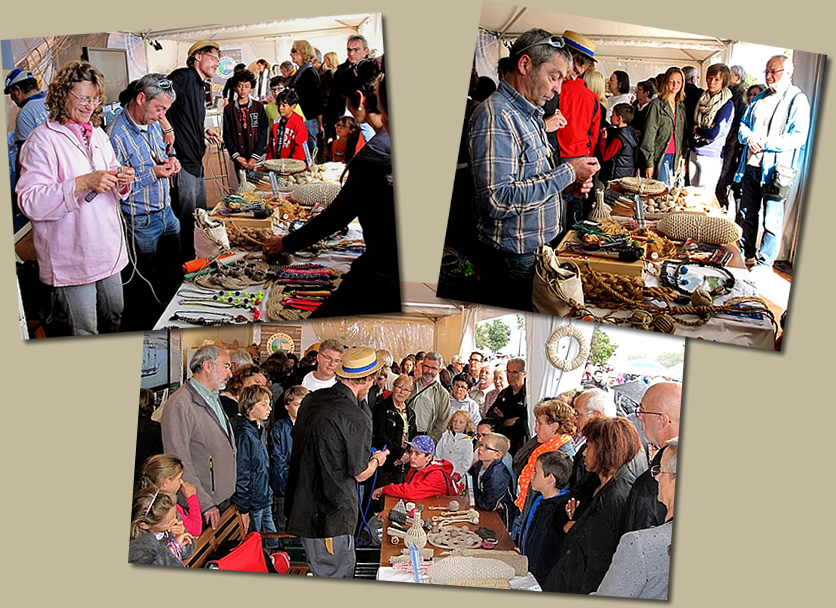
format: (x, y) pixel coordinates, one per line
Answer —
(518, 181)
(581, 109)
(183, 124)
(331, 452)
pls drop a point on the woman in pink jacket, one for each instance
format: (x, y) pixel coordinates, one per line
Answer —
(69, 188)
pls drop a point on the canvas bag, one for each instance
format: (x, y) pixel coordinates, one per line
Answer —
(558, 289)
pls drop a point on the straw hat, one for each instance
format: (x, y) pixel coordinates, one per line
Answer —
(580, 43)
(202, 44)
(358, 362)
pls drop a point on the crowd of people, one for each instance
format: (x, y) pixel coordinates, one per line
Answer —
(294, 444)
(554, 125)
(115, 207)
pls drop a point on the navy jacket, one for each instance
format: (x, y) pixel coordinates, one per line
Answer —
(252, 482)
(495, 491)
(279, 445)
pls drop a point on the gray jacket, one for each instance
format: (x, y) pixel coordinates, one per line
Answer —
(192, 432)
(432, 409)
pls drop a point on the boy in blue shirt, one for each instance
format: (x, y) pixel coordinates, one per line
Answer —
(493, 484)
(542, 530)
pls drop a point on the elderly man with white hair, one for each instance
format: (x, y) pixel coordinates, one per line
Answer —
(197, 431)
(773, 129)
(589, 404)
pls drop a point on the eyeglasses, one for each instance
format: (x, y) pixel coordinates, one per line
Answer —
(768, 72)
(340, 126)
(656, 470)
(88, 101)
(641, 412)
(490, 448)
(554, 41)
(328, 359)
(293, 51)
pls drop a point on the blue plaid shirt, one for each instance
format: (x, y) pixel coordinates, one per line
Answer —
(517, 185)
(132, 145)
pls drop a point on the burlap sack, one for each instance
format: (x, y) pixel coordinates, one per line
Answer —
(557, 290)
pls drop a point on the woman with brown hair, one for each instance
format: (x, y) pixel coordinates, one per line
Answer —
(587, 550)
(244, 377)
(70, 188)
(712, 121)
(664, 128)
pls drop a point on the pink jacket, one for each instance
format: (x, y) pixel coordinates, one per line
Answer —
(76, 242)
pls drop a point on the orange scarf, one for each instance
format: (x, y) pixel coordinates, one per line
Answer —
(528, 472)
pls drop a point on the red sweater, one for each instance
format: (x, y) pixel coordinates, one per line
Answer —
(430, 481)
(582, 110)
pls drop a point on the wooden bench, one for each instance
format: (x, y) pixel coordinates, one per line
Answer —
(230, 528)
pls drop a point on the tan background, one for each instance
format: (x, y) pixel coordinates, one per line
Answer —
(751, 525)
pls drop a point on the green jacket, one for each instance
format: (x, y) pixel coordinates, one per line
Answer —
(657, 134)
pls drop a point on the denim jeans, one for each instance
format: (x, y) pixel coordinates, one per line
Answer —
(261, 520)
(93, 307)
(312, 127)
(146, 230)
(663, 173)
(773, 219)
(507, 278)
(188, 195)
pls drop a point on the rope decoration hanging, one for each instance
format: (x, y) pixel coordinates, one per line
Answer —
(552, 350)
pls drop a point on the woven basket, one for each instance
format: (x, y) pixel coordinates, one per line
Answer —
(466, 568)
(318, 193)
(642, 186)
(713, 229)
(283, 166)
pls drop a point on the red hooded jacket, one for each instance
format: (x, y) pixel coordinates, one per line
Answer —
(435, 479)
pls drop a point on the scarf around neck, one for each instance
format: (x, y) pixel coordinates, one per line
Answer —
(528, 471)
(708, 106)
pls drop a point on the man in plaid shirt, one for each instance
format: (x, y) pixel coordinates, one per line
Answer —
(518, 184)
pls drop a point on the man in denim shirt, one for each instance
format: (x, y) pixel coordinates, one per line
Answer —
(518, 185)
(152, 226)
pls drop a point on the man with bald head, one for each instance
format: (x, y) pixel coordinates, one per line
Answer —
(659, 415)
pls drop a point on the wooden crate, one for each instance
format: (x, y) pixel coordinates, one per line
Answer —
(598, 263)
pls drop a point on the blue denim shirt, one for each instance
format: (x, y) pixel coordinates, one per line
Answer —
(133, 149)
(517, 185)
(784, 139)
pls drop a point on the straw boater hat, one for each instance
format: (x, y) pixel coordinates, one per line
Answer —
(202, 44)
(580, 43)
(358, 362)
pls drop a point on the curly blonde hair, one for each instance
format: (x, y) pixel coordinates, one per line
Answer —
(469, 428)
(67, 77)
(305, 50)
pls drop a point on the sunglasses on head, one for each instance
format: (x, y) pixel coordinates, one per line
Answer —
(553, 41)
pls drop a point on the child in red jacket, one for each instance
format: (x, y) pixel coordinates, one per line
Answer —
(289, 133)
(426, 477)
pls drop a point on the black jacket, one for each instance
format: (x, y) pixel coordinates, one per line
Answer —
(186, 116)
(252, 479)
(623, 164)
(586, 552)
(506, 407)
(387, 430)
(305, 81)
(543, 534)
(643, 510)
(495, 491)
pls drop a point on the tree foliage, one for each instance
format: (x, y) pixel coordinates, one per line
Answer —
(492, 335)
(671, 359)
(601, 349)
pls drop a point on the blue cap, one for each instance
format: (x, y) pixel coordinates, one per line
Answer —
(423, 443)
(16, 76)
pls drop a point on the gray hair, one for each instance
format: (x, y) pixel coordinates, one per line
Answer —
(519, 361)
(456, 359)
(150, 86)
(241, 357)
(318, 54)
(209, 353)
(358, 38)
(598, 401)
(672, 449)
(739, 71)
(434, 356)
(385, 356)
(691, 73)
(330, 345)
(540, 53)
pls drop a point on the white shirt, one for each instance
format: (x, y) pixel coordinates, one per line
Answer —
(312, 383)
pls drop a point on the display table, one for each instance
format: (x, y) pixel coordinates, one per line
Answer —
(335, 260)
(487, 519)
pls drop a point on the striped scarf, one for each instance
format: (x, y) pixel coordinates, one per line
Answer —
(528, 472)
(709, 105)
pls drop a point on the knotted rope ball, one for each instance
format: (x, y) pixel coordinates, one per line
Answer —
(641, 319)
(701, 297)
(665, 324)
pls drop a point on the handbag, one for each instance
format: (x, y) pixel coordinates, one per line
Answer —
(248, 556)
(558, 289)
(782, 178)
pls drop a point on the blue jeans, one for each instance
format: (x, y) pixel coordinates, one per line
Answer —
(146, 230)
(188, 195)
(93, 307)
(773, 219)
(507, 279)
(663, 173)
(574, 204)
(312, 127)
(262, 521)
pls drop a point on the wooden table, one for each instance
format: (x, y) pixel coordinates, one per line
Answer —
(487, 519)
